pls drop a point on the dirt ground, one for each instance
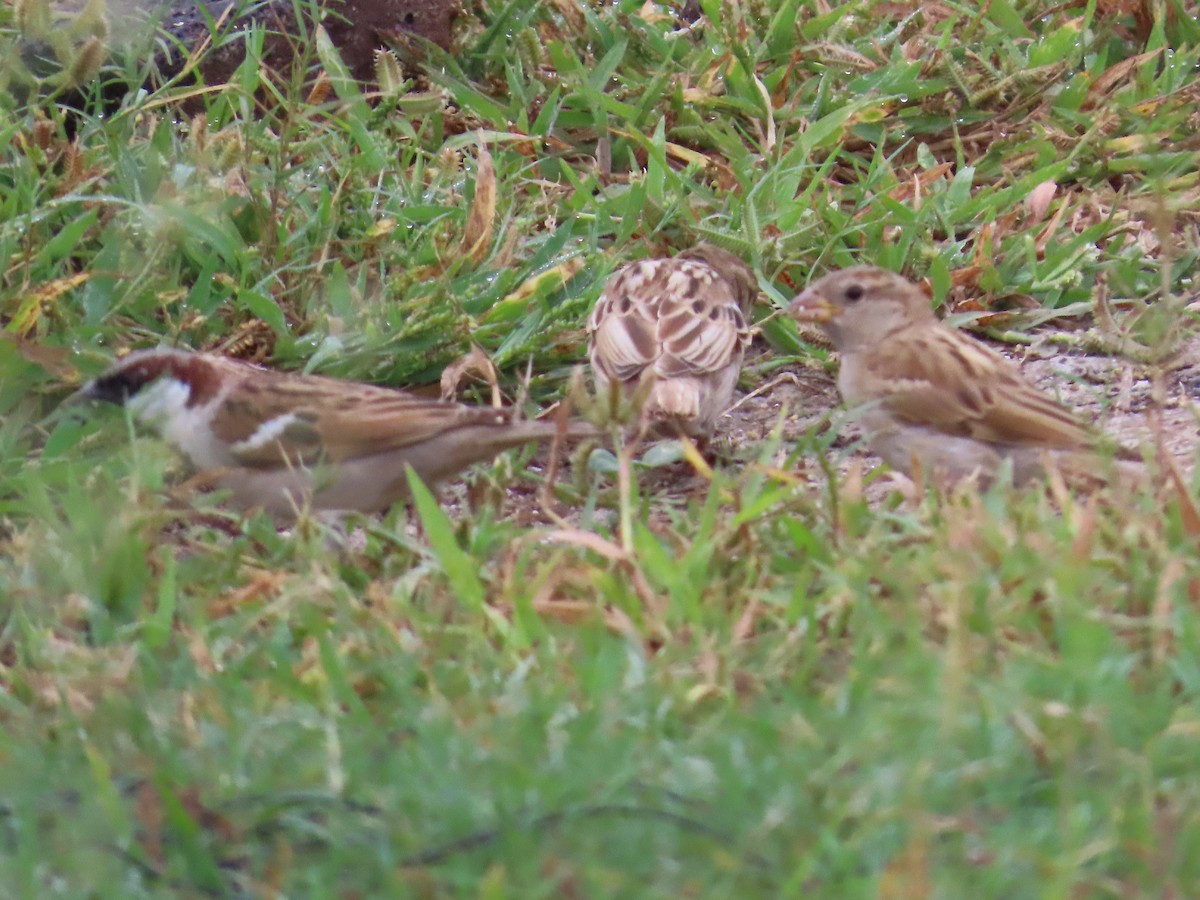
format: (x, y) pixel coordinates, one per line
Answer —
(1113, 393)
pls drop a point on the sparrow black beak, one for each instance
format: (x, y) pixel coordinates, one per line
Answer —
(810, 306)
(105, 390)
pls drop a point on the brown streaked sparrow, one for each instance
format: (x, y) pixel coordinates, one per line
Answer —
(680, 322)
(284, 441)
(934, 399)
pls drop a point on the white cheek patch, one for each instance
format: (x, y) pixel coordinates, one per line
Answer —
(160, 402)
(267, 432)
(163, 406)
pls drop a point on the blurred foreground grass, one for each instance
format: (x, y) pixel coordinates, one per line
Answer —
(780, 689)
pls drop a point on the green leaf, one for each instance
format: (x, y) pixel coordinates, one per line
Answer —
(202, 868)
(1006, 16)
(265, 308)
(456, 564)
(157, 629)
(826, 130)
(959, 191)
(598, 80)
(68, 237)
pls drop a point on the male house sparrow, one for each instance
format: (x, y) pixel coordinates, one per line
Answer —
(682, 323)
(282, 441)
(934, 399)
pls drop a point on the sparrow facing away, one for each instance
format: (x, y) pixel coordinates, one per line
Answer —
(682, 323)
(283, 441)
(936, 400)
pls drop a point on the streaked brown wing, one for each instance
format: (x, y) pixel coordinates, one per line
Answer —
(276, 419)
(390, 423)
(941, 378)
(678, 316)
(701, 330)
(624, 324)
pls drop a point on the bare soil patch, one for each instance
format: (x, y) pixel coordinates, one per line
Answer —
(1116, 394)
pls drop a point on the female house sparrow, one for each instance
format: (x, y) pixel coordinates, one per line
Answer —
(935, 399)
(282, 441)
(682, 323)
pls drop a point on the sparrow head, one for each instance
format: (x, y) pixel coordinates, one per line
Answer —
(860, 306)
(731, 267)
(186, 376)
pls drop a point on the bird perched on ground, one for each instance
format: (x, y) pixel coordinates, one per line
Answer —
(681, 323)
(286, 441)
(934, 399)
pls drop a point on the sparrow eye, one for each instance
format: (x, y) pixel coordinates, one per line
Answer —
(854, 292)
